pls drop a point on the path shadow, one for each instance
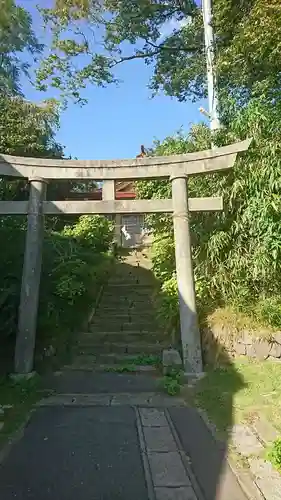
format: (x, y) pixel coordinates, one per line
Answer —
(215, 394)
(210, 401)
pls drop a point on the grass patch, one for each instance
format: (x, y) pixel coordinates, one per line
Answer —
(145, 360)
(172, 383)
(126, 368)
(133, 362)
(274, 454)
(17, 399)
(235, 393)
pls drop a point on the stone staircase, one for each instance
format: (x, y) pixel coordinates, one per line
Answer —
(124, 329)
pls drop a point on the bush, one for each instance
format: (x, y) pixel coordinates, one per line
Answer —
(74, 265)
(236, 253)
(274, 454)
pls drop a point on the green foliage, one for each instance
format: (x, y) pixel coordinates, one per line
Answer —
(75, 262)
(27, 129)
(16, 38)
(172, 383)
(73, 269)
(169, 36)
(92, 232)
(236, 253)
(274, 454)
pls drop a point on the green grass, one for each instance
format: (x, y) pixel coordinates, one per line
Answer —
(238, 392)
(134, 361)
(145, 359)
(126, 368)
(19, 398)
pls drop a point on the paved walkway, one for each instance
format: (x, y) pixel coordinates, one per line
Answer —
(115, 438)
(110, 436)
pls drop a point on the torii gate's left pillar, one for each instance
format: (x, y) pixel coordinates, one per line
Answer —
(26, 335)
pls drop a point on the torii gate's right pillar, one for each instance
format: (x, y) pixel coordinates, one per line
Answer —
(190, 334)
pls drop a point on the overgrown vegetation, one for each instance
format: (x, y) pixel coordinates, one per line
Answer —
(16, 401)
(236, 253)
(76, 251)
(239, 391)
(172, 382)
(274, 454)
(75, 262)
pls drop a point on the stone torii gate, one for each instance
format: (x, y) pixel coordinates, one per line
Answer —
(177, 168)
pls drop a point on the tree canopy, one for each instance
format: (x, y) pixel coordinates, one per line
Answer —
(17, 41)
(91, 38)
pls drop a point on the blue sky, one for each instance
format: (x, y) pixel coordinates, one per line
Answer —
(117, 120)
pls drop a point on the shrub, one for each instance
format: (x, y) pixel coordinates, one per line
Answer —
(274, 454)
(236, 253)
(74, 265)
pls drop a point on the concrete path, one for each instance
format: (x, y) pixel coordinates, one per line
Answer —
(115, 437)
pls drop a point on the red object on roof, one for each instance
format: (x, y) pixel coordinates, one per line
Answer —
(124, 191)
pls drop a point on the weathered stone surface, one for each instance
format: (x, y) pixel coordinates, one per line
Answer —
(250, 351)
(274, 360)
(185, 493)
(152, 417)
(167, 470)
(277, 337)
(159, 439)
(275, 350)
(1, 425)
(240, 349)
(245, 440)
(264, 430)
(246, 338)
(76, 400)
(262, 349)
(267, 478)
(171, 360)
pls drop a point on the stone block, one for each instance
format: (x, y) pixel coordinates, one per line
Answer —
(262, 349)
(277, 337)
(240, 349)
(152, 417)
(184, 493)
(168, 470)
(250, 351)
(159, 439)
(246, 338)
(266, 432)
(171, 360)
(245, 440)
(267, 478)
(275, 350)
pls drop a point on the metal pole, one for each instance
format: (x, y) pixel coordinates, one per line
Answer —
(190, 334)
(211, 74)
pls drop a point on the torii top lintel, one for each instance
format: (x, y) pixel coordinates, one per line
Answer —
(141, 168)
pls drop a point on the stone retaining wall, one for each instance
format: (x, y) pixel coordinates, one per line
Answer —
(260, 345)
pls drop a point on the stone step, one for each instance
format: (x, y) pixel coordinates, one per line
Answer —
(125, 286)
(98, 366)
(119, 358)
(125, 302)
(137, 329)
(93, 347)
(128, 294)
(135, 309)
(111, 324)
(131, 281)
(126, 316)
(123, 337)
